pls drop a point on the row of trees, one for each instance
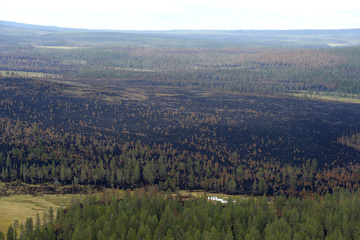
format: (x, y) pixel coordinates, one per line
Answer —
(351, 141)
(19, 230)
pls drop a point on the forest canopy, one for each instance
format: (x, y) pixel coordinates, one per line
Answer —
(149, 215)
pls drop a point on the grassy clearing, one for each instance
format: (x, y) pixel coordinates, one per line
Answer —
(326, 97)
(136, 96)
(59, 47)
(338, 44)
(200, 194)
(27, 74)
(21, 207)
(165, 95)
(135, 69)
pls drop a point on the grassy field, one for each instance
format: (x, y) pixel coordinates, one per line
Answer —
(58, 47)
(200, 194)
(326, 97)
(26, 74)
(21, 207)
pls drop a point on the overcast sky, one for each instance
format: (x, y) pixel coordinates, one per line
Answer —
(185, 14)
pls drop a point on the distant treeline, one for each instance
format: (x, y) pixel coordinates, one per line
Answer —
(257, 70)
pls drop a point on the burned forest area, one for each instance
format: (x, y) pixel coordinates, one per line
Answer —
(128, 134)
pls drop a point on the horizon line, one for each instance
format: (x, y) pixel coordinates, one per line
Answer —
(179, 29)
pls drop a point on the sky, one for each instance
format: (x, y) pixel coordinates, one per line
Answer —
(185, 14)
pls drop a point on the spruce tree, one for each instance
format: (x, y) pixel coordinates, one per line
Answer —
(10, 234)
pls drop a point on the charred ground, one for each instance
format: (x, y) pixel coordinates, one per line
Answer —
(228, 137)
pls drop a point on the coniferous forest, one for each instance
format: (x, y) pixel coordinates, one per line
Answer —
(150, 215)
(269, 114)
